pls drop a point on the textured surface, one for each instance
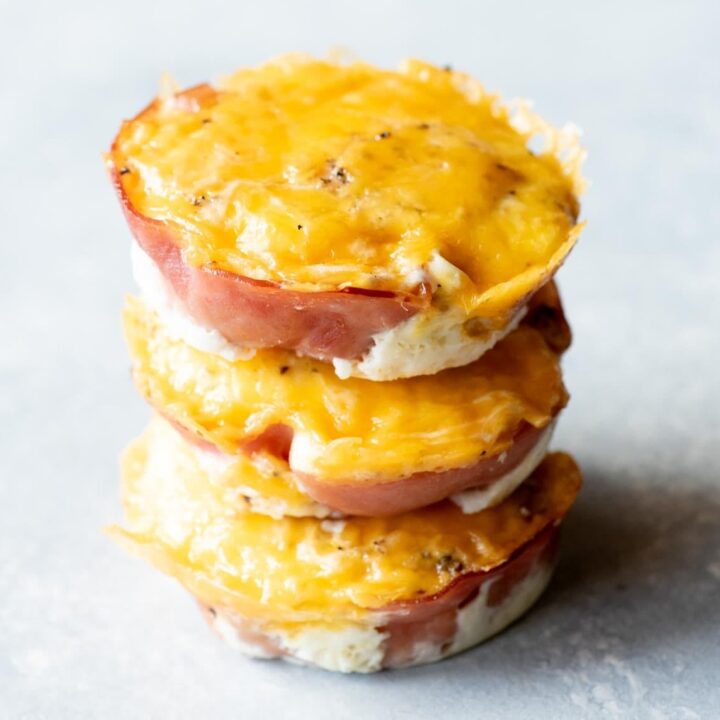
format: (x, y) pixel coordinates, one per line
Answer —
(629, 628)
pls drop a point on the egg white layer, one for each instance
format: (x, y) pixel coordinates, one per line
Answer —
(477, 499)
(425, 344)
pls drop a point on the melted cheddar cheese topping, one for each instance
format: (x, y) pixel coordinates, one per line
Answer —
(319, 175)
(304, 568)
(350, 429)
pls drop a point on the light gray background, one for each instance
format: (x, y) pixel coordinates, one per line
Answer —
(630, 627)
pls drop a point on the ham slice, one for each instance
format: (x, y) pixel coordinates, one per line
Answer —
(421, 489)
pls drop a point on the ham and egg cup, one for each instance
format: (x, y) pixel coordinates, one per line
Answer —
(357, 447)
(351, 595)
(394, 223)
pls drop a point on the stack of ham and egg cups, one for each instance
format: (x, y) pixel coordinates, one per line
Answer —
(350, 334)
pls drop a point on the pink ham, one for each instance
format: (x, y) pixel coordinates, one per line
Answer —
(421, 489)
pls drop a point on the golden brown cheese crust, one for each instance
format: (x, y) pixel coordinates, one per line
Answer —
(301, 568)
(320, 176)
